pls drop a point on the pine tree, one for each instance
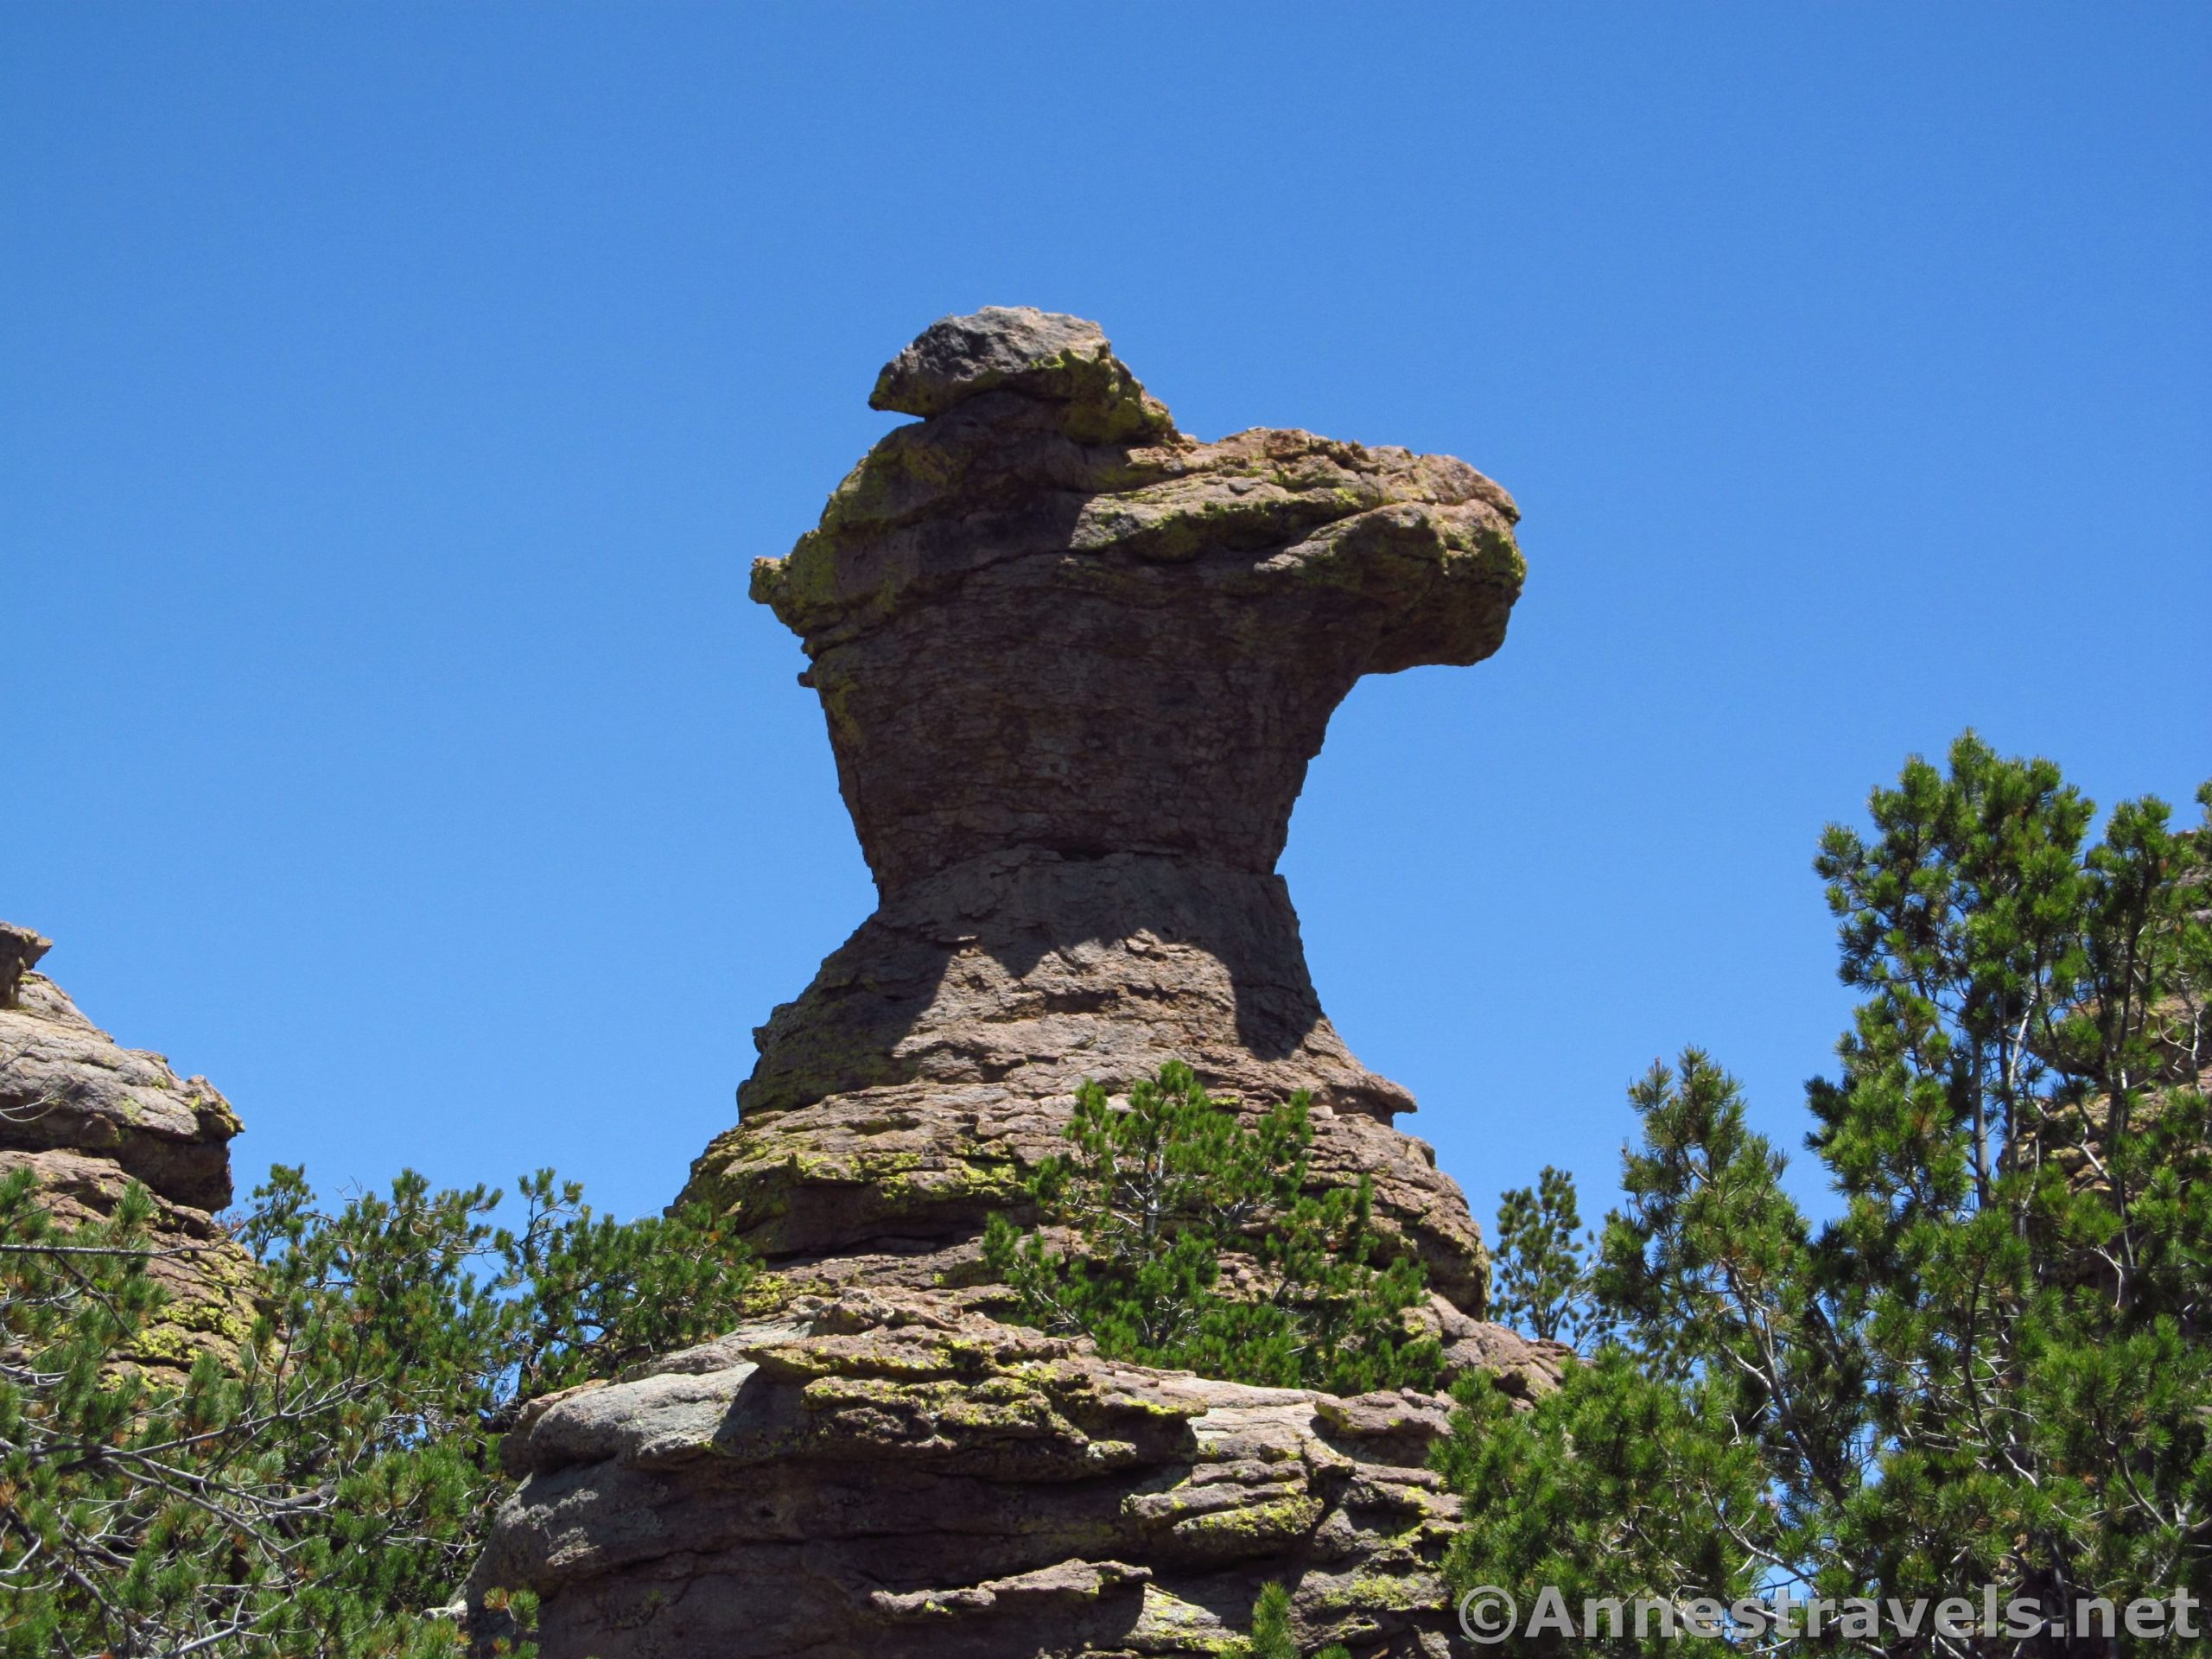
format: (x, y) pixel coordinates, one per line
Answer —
(323, 1492)
(1158, 1192)
(1272, 1636)
(1541, 1268)
(1993, 1367)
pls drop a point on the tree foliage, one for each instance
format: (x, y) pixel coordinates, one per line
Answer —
(1152, 1198)
(327, 1485)
(1271, 1635)
(1540, 1271)
(1993, 1366)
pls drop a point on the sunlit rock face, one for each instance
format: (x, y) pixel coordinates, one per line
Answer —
(1074, 665)
(87, 1117)
(877, 1473)
(1042, 620)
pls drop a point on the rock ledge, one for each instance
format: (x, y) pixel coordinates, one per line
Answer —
(897, 1472)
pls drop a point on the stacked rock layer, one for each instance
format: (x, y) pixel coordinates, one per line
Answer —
(890, 1472)
(1074, 665)
(86, 1118)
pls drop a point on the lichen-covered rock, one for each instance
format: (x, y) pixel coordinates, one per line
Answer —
(895, 1472)
(87, 1118)
(936, 1057)
(64, 1084)
(1074, 664)
(1046, 357)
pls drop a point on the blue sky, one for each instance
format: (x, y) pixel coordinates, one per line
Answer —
(396, 397)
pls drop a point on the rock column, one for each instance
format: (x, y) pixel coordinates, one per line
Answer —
(1074, 664)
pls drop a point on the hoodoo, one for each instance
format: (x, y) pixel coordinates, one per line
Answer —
(1074, 664)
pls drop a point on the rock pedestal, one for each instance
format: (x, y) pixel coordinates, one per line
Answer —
(1074, 665)
(893, 1474)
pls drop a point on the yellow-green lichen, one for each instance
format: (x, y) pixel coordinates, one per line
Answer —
(1166, 1618)
(1374, 1594)
(1253, 1525)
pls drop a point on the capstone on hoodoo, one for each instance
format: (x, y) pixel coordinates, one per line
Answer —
(1074, 664)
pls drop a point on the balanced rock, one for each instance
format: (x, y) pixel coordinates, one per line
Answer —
(86, 1118)
(1074, 665)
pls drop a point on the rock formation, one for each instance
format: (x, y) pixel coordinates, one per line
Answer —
(86, 1118)
(890, 1473)
(1074, 664)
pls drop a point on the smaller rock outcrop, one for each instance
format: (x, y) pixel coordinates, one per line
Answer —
(87, 1118)
(882, 1473)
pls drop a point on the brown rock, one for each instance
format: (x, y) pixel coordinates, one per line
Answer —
(1523, 1367)
(64, 1084)
(895, 1473)
(87, 1118)
(1074, 664)
(20, 951)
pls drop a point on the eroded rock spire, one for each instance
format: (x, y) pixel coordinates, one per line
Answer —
(1074, 664)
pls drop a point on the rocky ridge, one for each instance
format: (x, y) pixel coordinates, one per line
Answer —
(1074, 663)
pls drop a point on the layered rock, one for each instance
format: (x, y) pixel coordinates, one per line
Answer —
(87, 1118)
(893, 1473)
(1074, 664)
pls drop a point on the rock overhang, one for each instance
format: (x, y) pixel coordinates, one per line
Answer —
(1077, 612)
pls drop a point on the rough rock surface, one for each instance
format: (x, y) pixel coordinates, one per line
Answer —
(87, 1118)
(893, 1473)
(1074, 664)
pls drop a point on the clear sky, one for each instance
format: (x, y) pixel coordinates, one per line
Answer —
(392, 399)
